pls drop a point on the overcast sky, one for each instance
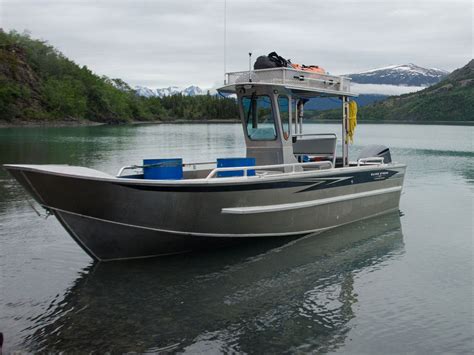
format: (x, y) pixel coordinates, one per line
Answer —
(158, 43)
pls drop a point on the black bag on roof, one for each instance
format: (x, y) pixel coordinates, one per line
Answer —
(272, 60)
(278, 60)
(263, 62)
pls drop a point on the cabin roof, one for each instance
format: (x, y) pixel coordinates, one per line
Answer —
(299, 83)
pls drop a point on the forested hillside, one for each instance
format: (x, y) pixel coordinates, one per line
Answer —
(451, 100)
(38, 83)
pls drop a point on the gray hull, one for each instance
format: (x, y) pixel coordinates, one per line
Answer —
(114, 218)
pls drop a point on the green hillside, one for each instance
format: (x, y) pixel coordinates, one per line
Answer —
(450, 100)
(38, 83)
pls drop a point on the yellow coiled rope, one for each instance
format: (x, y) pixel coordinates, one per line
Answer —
(352, 120)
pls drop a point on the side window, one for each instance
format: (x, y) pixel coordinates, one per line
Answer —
(259, 118)
(283, 104)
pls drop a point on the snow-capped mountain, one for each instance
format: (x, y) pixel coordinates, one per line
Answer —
(405, 74)
(395, 79)
(144, 91)
(171, 90)
(377, 84)
(192, 91)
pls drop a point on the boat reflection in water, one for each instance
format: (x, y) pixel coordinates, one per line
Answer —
(270, 295)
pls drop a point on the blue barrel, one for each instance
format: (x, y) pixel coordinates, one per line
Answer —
(163, 169)
(234, 162)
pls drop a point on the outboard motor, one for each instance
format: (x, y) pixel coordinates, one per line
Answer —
(376, 150)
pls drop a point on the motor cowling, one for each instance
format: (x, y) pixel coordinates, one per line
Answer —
(376, 150)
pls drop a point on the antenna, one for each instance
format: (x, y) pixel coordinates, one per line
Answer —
(250, 67)
(225, 40)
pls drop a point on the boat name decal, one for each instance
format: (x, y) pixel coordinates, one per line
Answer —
(380, 175)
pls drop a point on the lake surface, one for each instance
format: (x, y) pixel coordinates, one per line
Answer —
(400, 283)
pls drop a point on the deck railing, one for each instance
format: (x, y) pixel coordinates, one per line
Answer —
(292, 167)
(326, 163)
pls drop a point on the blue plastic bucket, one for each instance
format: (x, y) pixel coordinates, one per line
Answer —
(235, 162)
(163, 169)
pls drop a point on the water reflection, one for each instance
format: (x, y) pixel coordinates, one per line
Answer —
(268, 295)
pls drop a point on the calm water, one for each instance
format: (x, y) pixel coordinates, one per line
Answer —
(395, 284)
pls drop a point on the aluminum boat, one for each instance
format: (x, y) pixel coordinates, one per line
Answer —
(288, 184)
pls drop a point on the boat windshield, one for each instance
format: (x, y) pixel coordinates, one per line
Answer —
(259, 118)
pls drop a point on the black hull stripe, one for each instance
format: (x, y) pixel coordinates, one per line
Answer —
(308, 184)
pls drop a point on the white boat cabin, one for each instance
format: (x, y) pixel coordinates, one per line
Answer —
(271, 105)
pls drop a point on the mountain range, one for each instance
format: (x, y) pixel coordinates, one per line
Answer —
(377, 84)
(449, 100)
(192, 90)
(400, 75)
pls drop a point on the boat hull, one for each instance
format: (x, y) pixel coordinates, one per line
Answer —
(114, 218)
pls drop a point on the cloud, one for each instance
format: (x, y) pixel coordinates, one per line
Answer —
(161, 43)
(384, 89)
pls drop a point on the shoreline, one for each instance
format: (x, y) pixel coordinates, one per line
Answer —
(55, 123)
(88, 123)
(441, 123)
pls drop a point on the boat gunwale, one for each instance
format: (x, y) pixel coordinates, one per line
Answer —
(240, 180)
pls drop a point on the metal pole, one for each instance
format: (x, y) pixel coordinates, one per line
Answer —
(301, 121)
(225, 41)
(250, 67)
(301, 113)
(344, 131)
(290, 120)
(347, 130)
(296, 116)
(343, 139)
